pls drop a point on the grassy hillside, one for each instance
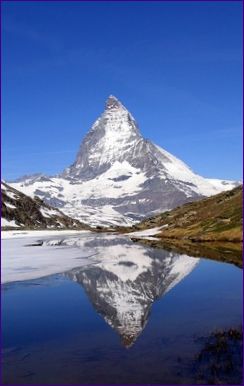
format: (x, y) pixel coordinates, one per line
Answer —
(217, 218)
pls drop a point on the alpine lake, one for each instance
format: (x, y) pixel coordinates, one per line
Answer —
(122, 313)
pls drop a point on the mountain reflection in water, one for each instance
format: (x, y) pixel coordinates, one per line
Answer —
(63, 334)
(127, 280)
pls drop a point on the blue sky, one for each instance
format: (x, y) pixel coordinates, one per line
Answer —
(177, 66)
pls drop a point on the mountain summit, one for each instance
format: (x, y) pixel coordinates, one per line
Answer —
(113, 103)
(113, 137)
(119, 177)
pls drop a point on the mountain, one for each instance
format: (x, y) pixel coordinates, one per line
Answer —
(119, 177)
(217, 218)
(20, 211)
(127, 279)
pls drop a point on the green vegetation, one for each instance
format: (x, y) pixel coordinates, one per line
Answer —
(210, 228)
(217, 218)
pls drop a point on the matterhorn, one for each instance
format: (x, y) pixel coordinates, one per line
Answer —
(119, 177)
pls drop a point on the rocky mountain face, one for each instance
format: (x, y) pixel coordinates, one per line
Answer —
(123, 287)
(20, 211)
(119, 177)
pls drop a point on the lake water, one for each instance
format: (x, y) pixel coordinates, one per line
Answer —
(129, 314)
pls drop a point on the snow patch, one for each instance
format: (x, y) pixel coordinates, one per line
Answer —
(146, 233)
(10, 205)
(8, 223)
(49, 212)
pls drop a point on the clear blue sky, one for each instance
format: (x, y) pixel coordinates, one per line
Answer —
(177, 66)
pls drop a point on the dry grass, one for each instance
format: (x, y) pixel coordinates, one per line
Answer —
(218, 218)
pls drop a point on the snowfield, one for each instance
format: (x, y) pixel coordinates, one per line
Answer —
(36, 233)
(147, 233)
(8, 223)
(70, 196)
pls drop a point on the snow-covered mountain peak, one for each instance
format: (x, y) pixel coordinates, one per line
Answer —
(113, 103)
(113, 137)
(119, 177)
(116, 119)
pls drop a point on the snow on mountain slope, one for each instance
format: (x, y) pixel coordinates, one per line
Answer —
(119, 177)
(21, 211)
(223, 185)
(9, 223)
